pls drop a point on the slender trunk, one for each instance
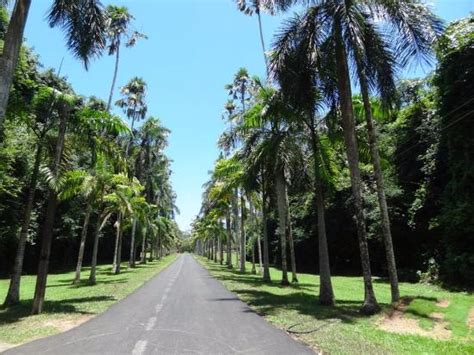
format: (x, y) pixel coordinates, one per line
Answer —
(243, 241)
(229, 241)
(326, 294)
(11, 51)
(374, 151)
(13, 295)
(47, 230)
(254, 270)
(118, 245)
(262, 41)
(235, 212)
(143, 257)
(370, 305)
(294, 277)
(221, 251)
(131, 262)
(114, 79)
(95, 251)
(266, 258)
(82, 244)
(280, 186)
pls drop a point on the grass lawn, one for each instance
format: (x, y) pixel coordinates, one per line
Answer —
(67, 305)
(342, 329)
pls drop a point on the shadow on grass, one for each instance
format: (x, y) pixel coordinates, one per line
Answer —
(85, 283)
(268, 298)
(15, 313)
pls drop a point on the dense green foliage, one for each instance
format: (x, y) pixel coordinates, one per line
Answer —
(78, 185)
(426, 148)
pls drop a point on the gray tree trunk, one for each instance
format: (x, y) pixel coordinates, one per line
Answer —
(48, 224)
(326, 293)
(114, 79)
(118, 245)
(374, 151)
(11, 51)
(229, 241)
(266, 257)
(280, 187)
(95, 251)
(370, 304)
(13, 295)
(294, 277)
(80, 256)
(131, 261)
(243, 241)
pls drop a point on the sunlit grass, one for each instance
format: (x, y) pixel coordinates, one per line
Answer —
(342, 329)
(68, 304)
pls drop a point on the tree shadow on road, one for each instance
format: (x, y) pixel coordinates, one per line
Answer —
(15, 313)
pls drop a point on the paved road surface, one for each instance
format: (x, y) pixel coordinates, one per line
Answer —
(183, 310)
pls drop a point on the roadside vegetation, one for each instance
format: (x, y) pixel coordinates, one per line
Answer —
(82, 186)
(342, 329)
(69, 305)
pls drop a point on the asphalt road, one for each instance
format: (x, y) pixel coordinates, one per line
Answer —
(183, 310)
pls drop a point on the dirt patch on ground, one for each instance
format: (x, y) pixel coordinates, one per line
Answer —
(5, 346)
(470, 318)
(64, 324)
(443, 303)
(396, 321)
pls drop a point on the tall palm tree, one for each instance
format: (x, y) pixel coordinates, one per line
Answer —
(44, 102)
(83, 22)
(118, 20)
(340, 34)
(66, 103)
(240, 91)
(298, 80)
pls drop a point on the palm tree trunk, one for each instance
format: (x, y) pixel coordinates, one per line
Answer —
(11, 51)
(13, 295)
(82, 245)
(243, 241)
(131, 262)
(326, 293)
(254, 270)
(262, 41)
(266, 258)
(374, 151)
(143, 256)
(280, 187)
(294, 277)
(235, 212)
(370, 305)
(229, 241)
(118, 235)
(114, 79)
(47, 230)
(95, 251)
(221, 252)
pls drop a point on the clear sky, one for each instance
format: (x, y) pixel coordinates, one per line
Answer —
(193, 50)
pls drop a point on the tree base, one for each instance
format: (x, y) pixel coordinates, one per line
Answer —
(370, 308)
(285, 283)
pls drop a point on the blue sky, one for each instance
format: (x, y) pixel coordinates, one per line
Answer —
(193, 50)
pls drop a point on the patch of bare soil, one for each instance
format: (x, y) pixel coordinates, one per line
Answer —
(470, 318)
(443, 303)
(5, 346)
(64, 324)
(397, 322)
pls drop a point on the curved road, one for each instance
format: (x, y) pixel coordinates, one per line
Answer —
(181, 310)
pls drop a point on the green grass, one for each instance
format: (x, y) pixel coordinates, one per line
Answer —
(342, 329)
(67, 304)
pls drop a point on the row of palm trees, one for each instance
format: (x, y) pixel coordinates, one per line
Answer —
(280, 128)
(119, 173)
